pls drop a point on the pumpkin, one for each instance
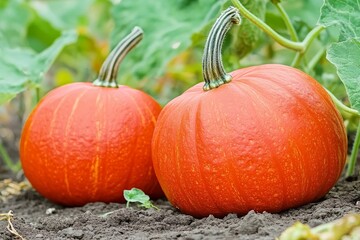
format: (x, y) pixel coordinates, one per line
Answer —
(87, 142)
(263, 138)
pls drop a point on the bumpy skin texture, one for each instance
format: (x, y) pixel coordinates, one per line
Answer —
(269, 140)
(84, 143)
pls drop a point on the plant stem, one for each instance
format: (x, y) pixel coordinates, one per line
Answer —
(297, 59)
(350, 171)
(108, 72)
(293, 35)
(10, 227)
(212, 66)
(311, 36)
(343, 107)
(315, 59)
(37, 89)
(307, 41)
(297, 46)
(7, 160)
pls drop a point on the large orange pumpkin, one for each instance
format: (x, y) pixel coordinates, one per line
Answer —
(264, 138)
(88, 142)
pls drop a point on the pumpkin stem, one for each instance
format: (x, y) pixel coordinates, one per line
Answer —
(213, 69)
(109, 69)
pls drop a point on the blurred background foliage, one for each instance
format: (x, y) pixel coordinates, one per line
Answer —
(46, 44)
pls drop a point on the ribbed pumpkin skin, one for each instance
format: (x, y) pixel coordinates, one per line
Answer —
(269, 140)
(84, 143)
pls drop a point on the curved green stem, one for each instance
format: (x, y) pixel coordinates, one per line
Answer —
(297, 46)
(307, 41)
(315, 59)
(213, 69)
(343, 107)
(350, 171)
(311, 36)
(297, 59)
(293, 35)
(109, 69)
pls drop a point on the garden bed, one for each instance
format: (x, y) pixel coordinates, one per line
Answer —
(37, 218)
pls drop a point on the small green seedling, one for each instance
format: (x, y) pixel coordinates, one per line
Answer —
(136, 195)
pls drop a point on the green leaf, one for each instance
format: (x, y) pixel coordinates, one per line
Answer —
(46, 58)
(345, 14)
(245, 37)
(22, 68)
(41, 34)
(168, 27)
(136, 195)
(306, 11)
(15, 72)
(346, 57)
(15, 16)
(62, 14)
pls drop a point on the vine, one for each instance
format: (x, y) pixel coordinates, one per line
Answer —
(301, 47)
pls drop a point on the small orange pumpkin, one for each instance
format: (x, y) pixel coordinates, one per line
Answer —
(88, 142)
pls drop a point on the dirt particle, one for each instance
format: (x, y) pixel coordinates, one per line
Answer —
(70, 232)
(230, 216)
(89, 227)
(50, 211)
(176, 220)
(250, 224)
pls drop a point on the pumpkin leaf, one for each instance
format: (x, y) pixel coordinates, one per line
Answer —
(346, 57)
(22, 68)
(168, 27)
(14, 19)
(309, 13)
(345, 54)
(345, 14)
(246, 36)
(136, 195)
(62, 15)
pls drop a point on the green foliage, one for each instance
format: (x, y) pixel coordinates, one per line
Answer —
(25, 68)
(33, 34)
(345, 14)
(346, 57)
(306, 11)
(345, 54)
(14, 17)
(136, 195)
(168, 60)
(168, 27)
(246, 36)
(62, 15)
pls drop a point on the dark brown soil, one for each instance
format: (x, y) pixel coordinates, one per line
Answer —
(115, 221)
